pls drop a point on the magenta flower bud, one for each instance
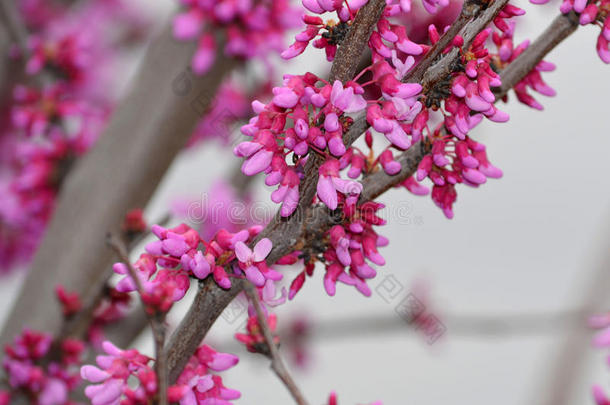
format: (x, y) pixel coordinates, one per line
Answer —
(474, 176)
(390, 166)
(424, 167)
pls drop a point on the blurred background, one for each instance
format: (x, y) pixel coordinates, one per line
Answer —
(508, 277)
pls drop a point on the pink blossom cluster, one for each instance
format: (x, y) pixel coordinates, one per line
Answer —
(329, 34)
(350, 247)
(163, 271)
(116, 371)
(463, 101)
(197, 384)
(594, 13)
(253, 339)
(253, 28)
(454, 161)
(302, 117)
(507, 53)
(29, 372)
(309, 115)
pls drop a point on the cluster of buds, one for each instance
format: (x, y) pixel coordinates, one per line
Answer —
(333, 32)
(253, 28)
(590, 12)
(126, 377)
(454, 161)
(347, 250)
(318, 111)
(253, 339)
(163, 272)
(30, 373)
(197, 385)
(507, 53)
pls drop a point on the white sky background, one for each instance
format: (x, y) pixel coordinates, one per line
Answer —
(522, 244)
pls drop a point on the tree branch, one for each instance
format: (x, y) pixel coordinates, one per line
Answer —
(277, 364)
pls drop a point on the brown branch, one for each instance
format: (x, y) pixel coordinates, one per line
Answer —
(124, 331)
(207, 306)
(150, 126)
(277, 364)
(155, 320)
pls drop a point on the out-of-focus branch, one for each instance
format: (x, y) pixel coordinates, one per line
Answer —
(482, 326)
(568, 362)
(150, 126)
(277, 364)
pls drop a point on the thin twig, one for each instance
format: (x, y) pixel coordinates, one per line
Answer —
(277, 364)
(156, 320)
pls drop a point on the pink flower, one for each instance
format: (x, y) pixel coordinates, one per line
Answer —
(345, 99)
(287, 193)
(329, 183)
(259, 152)
(253, 262)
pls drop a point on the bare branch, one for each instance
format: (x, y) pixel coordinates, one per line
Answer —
(277, 364)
